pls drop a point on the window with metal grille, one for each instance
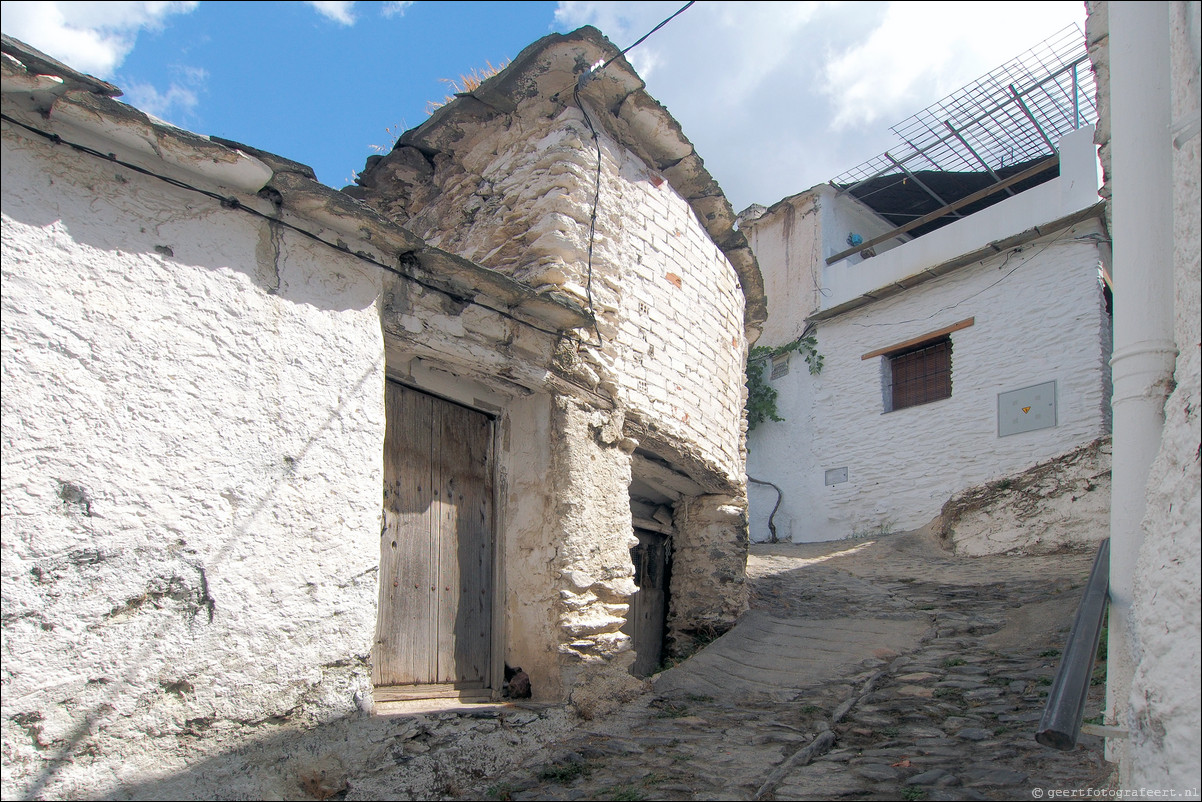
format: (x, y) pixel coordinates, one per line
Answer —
(920, 375)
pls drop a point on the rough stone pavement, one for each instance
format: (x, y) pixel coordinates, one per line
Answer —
(866, 669)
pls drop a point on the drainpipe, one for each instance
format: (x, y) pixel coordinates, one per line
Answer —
(1144, 350)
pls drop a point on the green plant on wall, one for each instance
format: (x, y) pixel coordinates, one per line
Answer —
(761, 396)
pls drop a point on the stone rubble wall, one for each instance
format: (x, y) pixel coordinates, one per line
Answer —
(903, 465)
(595, 578)
(711, 554)
(517, 198)
(192, 418)
(1057, 506)
(516, 195)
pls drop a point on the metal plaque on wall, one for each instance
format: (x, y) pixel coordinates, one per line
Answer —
(1027, 409)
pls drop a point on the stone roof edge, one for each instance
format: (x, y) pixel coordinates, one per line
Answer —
(38, 63)
(88, 107)
(633, 118)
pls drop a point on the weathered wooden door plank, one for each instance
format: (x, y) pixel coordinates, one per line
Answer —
(436, 574)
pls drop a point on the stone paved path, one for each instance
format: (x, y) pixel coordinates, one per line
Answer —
(883, 669)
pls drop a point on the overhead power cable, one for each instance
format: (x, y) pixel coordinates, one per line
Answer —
(641, 39)
(592, 223)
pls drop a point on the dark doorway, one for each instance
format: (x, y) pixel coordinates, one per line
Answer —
(648, 615)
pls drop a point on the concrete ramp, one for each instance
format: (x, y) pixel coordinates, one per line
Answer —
(776, 657)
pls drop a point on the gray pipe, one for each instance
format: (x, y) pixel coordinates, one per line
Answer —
(1061, 722)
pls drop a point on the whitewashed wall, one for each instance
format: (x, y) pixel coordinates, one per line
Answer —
(679, 346)
(1038, 317)
(1166, 618)
(192, 422)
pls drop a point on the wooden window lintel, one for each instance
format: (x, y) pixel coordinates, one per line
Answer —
(963, 324)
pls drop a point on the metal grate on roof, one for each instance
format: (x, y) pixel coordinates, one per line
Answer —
(1014, 115)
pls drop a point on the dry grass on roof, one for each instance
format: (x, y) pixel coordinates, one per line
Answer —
(466, 83)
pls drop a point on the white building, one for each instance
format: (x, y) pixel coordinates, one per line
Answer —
(269, 454)
(953, 351)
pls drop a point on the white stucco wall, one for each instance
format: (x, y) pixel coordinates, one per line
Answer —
(192, 422)
(1166, 619)
(1074, 189)
(843, 215)
(1039, 317)
(787, 241)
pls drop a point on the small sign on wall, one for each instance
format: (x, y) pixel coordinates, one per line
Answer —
(836, 476)
(1027, 409)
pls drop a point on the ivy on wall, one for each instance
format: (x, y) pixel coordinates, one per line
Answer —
(761, 396)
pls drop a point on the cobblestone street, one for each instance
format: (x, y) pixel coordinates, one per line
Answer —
(882, 669)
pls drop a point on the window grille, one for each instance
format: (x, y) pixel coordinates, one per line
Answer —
(921, 375)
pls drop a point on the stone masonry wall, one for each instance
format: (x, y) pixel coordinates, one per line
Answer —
(192, 420)
(515, 193)
(903, 465)
(713, 553)
(517, 197)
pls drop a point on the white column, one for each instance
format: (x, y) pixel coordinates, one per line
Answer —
(1144, 351)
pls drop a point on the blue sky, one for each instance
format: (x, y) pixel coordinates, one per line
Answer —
(776, 97)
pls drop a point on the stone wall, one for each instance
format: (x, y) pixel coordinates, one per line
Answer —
(903, 465)
(516, 196)
(192, 420)
(508, 177)
(712, 554)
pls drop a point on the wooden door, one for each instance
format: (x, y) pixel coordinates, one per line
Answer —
(436, 567)
(647, 617)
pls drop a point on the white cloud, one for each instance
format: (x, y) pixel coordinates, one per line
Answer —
(395, 8)
(177, 102)
(172, 104)
(922, 52)
(814, 84)
(338, 11)
(92, 37)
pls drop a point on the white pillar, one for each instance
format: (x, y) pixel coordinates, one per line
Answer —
(1144, 350)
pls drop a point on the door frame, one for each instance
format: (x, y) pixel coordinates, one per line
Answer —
(468, 394)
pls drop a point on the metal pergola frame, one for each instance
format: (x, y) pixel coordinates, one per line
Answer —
(1014, 114)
